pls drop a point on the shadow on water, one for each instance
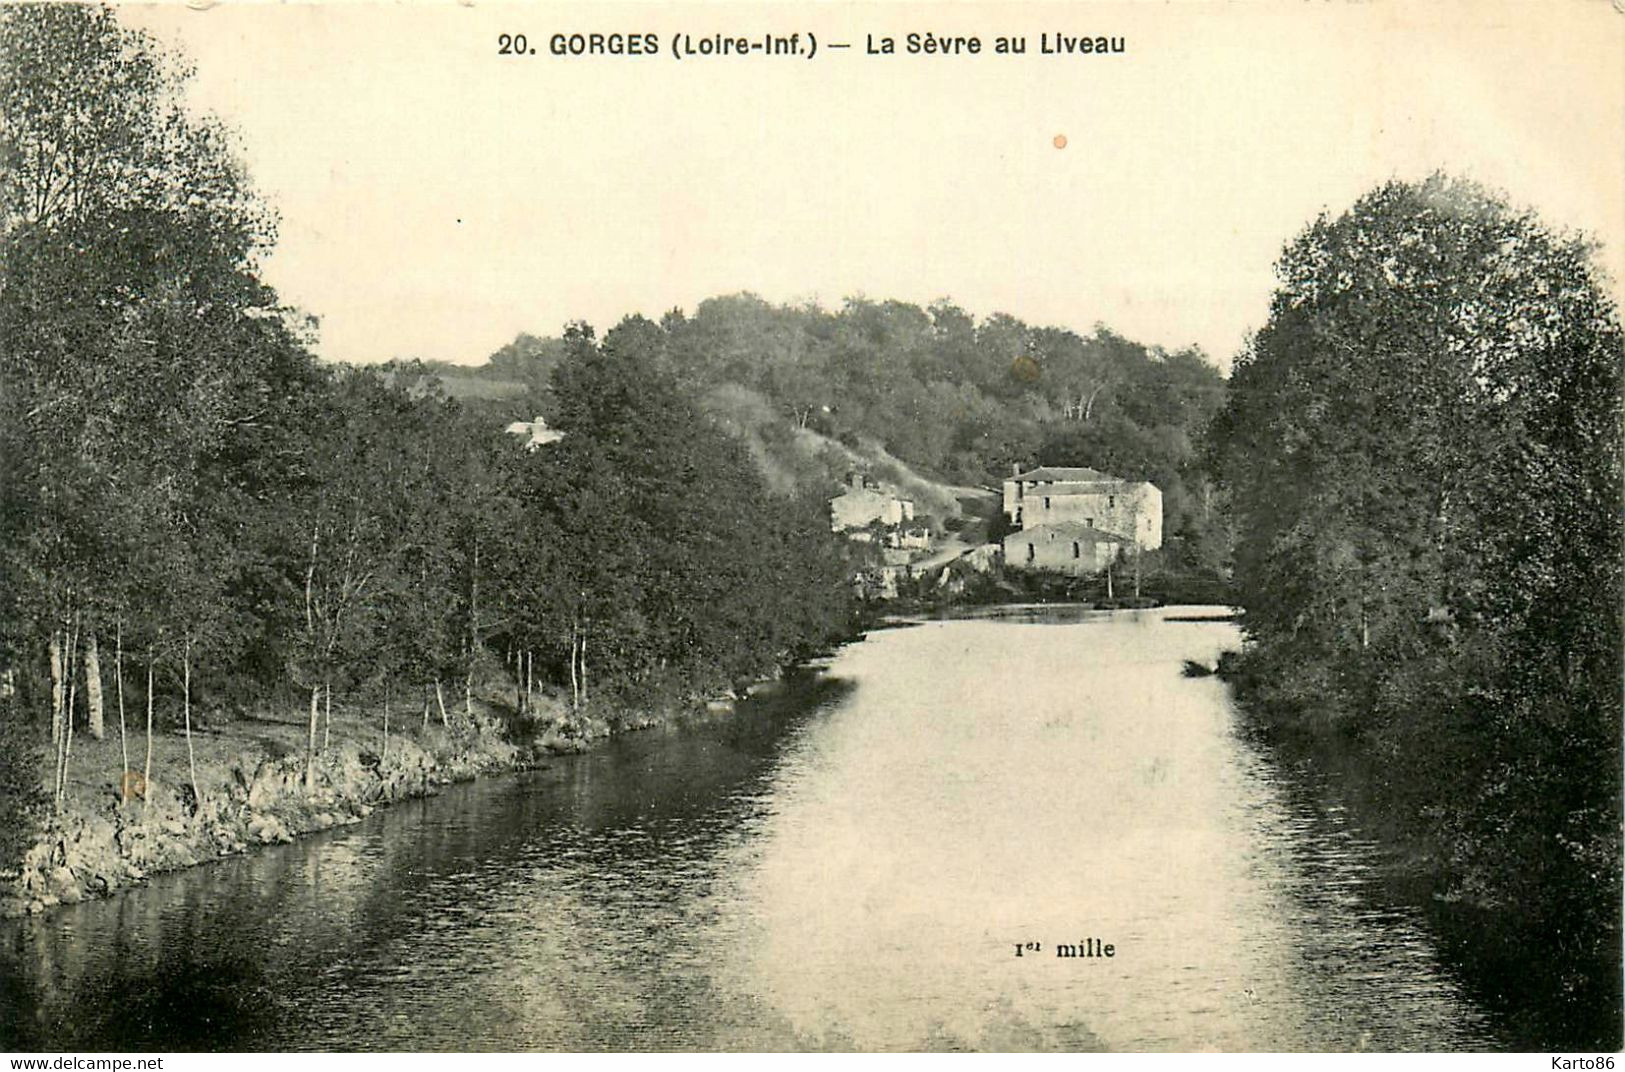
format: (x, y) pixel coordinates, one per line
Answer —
(208, 1005)
(1032, 613)
(1542, 1002)
(237, 955)
(1533, 1000)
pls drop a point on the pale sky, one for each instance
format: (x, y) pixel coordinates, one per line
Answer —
(437, 198)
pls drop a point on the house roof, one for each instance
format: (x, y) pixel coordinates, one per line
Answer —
(1061, 472)
(876, 491)
(1069, 530)
(1108, 486)
(538, 431)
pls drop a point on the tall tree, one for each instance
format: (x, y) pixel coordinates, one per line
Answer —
(1422, 448)
(130, 314)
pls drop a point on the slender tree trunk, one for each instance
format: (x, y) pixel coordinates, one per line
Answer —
(59, 734)
(440, 699)
(425, 708)
(474, 607)
(65, 746)
(1109, 582)
(59, 694)
(58, 755)
(383, 753)
(575, 680)
(96, 725)
(310, 630)
(118, 684)
(58, 686)
(146, 777)
(327, 715)
(473, 631)
(65, 743)
(584, 696)
(310, 573)
(530, 676)
(186, 710)
(310, 740)
(1089, 408)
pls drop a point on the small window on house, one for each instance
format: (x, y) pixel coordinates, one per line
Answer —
(1089, 521)
(1046, 502)
(1030, 553)
(1076, 553)
(1111, 502)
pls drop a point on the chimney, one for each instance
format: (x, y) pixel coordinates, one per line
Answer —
(855, 480)
(1015, 468)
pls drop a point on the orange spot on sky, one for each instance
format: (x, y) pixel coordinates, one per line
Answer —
(1060, 141)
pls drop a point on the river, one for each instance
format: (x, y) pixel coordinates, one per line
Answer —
(850, 864)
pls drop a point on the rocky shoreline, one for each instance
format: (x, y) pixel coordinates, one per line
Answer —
(252, 797)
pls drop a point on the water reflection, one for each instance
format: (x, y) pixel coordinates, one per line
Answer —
(846, 866)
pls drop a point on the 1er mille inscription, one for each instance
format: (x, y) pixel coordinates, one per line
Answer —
(1087, 947)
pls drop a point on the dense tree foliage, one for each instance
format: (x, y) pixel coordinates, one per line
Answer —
(956, 400)
(244, 525)
(1422, 450)
(134, 330)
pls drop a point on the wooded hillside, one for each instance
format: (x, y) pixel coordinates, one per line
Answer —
(959, 401)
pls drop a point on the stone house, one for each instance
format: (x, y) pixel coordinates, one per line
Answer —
(911, 537)
(1056, 495)
(864, 502)
(535, 433)
(1063, 547)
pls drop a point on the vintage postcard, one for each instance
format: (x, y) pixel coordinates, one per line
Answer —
(860, 527)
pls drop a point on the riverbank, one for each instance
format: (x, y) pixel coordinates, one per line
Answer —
(250, 776)
(1541, 954)
(673, 891)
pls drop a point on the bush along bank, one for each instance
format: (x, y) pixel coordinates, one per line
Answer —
(251, 778)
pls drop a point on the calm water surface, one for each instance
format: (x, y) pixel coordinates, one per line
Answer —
(848, 866)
